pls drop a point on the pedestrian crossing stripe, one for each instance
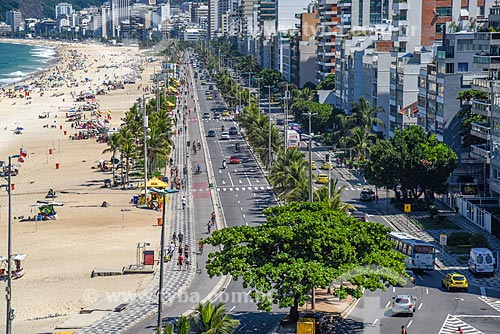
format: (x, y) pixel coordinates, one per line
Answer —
(494, 303)
(244, 188)
(451, 324)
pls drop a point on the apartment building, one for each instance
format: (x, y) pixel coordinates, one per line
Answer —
(326, 35)
(13, 19)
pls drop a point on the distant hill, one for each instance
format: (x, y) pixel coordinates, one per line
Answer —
(42, 8)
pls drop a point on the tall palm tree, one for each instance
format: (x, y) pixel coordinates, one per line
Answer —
(363, 114)
(288, 174)
(212, 319)
(334, 199)
(361, 138)
(113, 146)
(340, 135)
(128, 149)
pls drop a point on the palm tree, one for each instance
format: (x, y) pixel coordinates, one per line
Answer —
(128, 149)
(250, 64)
(334, 199)
(113, 146)
(212, 319)
(343, 123)
(288, 175)
(361, 138)
(363, 114)
(183, 325)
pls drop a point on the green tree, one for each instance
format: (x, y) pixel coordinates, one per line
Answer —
(413, 160)
(333, 200)
(128, 149)
(361, 138)
(327, 83)
(303, 246)
(320, 121)
(269, 77)
(468, 117)
(289, 175)
(214, 319)
(113, 147)
(363, 115)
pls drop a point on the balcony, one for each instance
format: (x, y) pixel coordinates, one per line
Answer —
(481, 130)
(487, 61)
(400, 20)
(344, 3)
(399, 5)
(481, 107)
(480, 152)
(482, 84)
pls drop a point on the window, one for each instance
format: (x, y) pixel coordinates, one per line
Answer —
(481, 10)
(440, 90)
(450, 68)
(443, 11)
(465, 45)
(421, 101)
(440, 27)
(463, 67)
(421, 82)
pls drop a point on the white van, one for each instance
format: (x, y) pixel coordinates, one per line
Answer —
(481, 261)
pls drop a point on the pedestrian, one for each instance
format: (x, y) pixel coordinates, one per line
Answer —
(403, 330)
(174, 239)
(209, 227)
(181, 238)
(460, 331)
(180, 261)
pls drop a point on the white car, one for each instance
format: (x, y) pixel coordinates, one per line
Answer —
(404, 304)
(225, 136)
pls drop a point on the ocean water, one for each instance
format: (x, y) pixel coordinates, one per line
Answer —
(19, 61)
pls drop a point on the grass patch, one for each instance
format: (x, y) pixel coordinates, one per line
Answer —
(435, 224)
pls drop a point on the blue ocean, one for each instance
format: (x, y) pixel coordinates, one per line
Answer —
(18, 61)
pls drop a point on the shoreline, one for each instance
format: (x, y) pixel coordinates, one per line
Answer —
(62, 253)
(51, 61)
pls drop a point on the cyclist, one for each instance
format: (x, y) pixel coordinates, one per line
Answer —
(224, 165)
(184, 200)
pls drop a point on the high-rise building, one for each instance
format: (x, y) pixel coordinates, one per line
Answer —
(213, 18)
(327, 31)
(106, 20)
(120, 13)
(13, 18)
(64, 9)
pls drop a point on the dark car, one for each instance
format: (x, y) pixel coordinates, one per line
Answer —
(211, 133)
(280, 121)
(367, 195)
(217, 115)
(206, 115)
(233, 130)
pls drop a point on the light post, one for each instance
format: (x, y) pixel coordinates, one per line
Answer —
(249, 87)
(286, 99)
(310, 114)
(269, 157)
(146, 130)
(8, 289)
(162, 257)
(329, 161)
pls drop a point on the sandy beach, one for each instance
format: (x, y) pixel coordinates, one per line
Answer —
(62, 253)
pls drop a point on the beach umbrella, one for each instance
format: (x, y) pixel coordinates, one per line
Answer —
(157, 183)
(170, 104)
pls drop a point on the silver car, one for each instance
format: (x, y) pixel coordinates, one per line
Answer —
(404, 304)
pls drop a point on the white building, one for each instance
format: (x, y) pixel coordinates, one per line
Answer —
(64, 9)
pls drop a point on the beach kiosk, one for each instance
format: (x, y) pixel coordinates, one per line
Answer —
(17, 272)
(153, 200)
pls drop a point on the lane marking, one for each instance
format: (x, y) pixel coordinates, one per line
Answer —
(230, 179)
(393, 289)
(409, 324)
(387, 305)
(420, 306)
(375, 322)
(426, 291)
(232, 308)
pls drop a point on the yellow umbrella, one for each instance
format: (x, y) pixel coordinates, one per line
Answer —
(170, 104)
(157, 183)
(172, 89)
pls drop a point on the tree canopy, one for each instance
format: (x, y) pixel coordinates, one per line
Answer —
(413, 160)
(321, 121)
(269, 77)
(327, 83)
(303, 246)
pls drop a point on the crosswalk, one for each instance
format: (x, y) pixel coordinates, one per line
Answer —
(223, 189)
(494, 303)
(452, 323)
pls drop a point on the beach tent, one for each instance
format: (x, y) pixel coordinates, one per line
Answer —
(170, 104)
(157, 183)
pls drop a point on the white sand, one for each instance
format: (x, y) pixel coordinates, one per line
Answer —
(63, 253)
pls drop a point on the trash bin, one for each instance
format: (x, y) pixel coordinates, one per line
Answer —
(135, 199)
(159, 221)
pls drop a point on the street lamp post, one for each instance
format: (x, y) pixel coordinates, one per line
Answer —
(269, 157)
(309, 115)
(145, 150)
(286, 99)
(8, 289)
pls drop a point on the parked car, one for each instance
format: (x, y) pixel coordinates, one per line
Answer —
(206, 115)
(367, 195)
(233, 130)
(280, 121)
(234, 160)
(224, 136)
(217, 115)
(211, 133)
(455, 281)
(404, 304)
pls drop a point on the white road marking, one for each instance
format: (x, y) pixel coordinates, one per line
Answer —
(420, 306)
(232, 308)
(393, 289)
(375, 322)
(387, 305)
(409, 324)
(249, 291)
(230, 179)
(223, 182)
(237, 189)
(257, 180)
(240, 181)
(420, 277)
(451, 324)
(426, 291)
(243, 216)
(494, 303)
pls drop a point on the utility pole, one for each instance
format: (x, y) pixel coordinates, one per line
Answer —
(162, 260)
(146, 128)
(270, 156)
(8, 289)
(310, 115)
(286, 99)
(329, 161)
